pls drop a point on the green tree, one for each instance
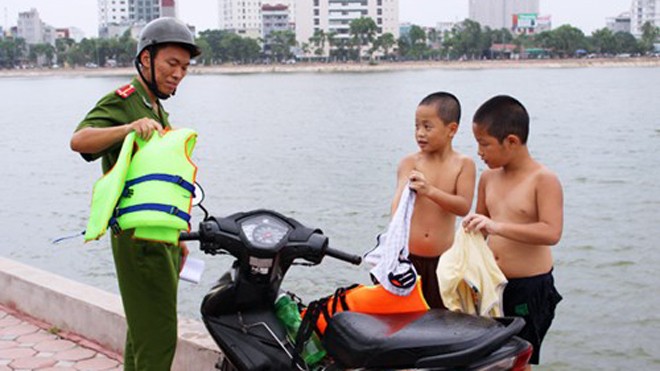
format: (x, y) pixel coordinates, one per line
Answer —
(470, 43)
(281, 43)
(363, 30)
(417, 40)
(603, 41)
(650, 34)
(238, 49)
(87, 52)
(566, 40)
(206, 58)
(214, 39)
(12, 52)
(625, 43)
(386, 42)
(305, 48)
(62, 47)
(331, 38)
(342, 49)
(41, 54)
(318, 40)
(490, 37)
(125, 49)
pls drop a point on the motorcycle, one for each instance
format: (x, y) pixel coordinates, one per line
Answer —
(239, 310)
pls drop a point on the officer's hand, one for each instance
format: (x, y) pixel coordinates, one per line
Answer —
(145, 127)
(184, 254)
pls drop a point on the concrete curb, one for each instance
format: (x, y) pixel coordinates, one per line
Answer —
(92, 313)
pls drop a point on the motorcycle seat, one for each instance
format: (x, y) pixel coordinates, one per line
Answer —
(435, 338)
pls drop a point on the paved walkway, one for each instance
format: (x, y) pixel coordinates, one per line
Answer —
(29, 344)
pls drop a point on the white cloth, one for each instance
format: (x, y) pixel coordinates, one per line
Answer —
(389, 258)
(470, 280)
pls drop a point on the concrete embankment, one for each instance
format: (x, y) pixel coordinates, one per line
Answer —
(95, 315)
(229, 69)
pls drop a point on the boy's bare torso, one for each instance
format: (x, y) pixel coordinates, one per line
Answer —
(432, 228)
(512, 198)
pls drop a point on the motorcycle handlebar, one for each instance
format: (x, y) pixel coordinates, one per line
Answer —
(189, 236)
(337, 254)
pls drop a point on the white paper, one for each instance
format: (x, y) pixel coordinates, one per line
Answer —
(192, 270)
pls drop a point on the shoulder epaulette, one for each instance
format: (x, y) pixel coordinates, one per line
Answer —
(125, 91)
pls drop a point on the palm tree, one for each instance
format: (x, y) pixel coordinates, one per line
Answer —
(363, 30)
(386, 41)
(650, 34)
(318, 40)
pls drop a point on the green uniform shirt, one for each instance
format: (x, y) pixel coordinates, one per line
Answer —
(120, 107)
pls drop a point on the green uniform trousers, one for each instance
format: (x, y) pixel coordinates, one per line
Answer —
(148, 276)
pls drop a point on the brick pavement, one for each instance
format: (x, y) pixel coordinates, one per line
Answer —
(29, 344)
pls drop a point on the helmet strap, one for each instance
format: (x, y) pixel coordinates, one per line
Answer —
(151, 84)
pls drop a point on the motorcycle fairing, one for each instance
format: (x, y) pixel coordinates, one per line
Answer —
(246, 341)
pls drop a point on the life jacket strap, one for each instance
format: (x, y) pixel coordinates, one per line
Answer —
(176, 179)
(169, 209)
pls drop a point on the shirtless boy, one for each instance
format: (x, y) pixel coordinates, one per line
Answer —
(520, 210)
(444, 182)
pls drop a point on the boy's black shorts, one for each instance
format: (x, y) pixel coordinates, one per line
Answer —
(426, 267)
(535, 299)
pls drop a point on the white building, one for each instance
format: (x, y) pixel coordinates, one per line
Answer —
(498, 14)
(112, 12)
(117, 16)
(242, 17)
(168, 8)
(275, 18)
(620, 23)
(643, 11)
(291, 4)
(335, 16)
(30, 28)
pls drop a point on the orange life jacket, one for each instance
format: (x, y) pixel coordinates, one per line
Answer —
(373, 299)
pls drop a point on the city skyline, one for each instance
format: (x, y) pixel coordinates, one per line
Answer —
(203, 13)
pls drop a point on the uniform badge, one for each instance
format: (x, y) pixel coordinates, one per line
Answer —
(125, 91)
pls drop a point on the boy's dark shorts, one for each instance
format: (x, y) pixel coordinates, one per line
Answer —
(535, 299)
(426, 267)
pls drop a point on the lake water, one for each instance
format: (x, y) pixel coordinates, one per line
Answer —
(324, 147)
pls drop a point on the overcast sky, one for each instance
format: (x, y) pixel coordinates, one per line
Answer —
(587, 15)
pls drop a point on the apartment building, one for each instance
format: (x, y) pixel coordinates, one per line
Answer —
(498, 14)
(643, 11)
(168, 8)
(33, 30)
(242, 17)
(29, 27)
(335, 16)
(275, 18)
(290, 4)
(620, 23)
(116, 16)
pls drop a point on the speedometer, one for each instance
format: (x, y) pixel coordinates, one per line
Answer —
(264, 230)
(268, 234)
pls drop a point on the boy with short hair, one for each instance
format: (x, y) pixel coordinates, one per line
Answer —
(444, 182)
(520, 210)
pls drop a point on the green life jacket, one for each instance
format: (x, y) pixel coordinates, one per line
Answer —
(150, 192)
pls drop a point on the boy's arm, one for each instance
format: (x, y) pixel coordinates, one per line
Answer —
(546, 231)
(459, 203)
(481, 207)
(401, 181)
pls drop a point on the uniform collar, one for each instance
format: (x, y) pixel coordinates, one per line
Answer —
(143, 94)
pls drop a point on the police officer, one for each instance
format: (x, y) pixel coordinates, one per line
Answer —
(147, 271)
